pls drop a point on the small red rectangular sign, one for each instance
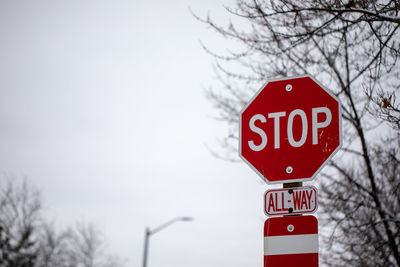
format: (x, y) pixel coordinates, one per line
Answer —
(291, 241)
(287, 201)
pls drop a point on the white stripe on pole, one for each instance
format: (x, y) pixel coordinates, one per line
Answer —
(290, 244)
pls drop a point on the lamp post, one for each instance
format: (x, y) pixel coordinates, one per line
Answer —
(149, 232)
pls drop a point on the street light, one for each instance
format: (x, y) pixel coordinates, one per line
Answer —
(149, 232)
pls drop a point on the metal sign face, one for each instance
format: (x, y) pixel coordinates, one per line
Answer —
(291, 241)
(290, 201)
(290, 129)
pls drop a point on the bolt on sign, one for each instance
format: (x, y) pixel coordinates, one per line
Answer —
(291, 241)
(290, 129)
(288, 201)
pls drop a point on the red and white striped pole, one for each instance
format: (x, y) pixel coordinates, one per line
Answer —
(291, 241)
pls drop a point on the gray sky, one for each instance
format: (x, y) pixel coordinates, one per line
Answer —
(102, 107)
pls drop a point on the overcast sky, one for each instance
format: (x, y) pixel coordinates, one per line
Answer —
(102, 108)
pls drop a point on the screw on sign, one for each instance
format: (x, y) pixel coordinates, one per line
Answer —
(291, 241)
(289, 129)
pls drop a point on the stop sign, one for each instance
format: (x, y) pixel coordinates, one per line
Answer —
(290, 129)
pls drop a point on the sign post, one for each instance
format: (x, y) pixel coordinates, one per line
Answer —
(291, 241)
(288, 131)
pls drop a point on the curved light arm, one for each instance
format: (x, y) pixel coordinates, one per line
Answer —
(159, 228)
(149, 232)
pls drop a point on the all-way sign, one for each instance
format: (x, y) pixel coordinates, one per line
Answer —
(290, 201)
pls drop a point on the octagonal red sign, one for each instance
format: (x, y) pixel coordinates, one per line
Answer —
(290, 129)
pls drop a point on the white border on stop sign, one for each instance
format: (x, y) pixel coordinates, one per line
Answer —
(325, 162)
